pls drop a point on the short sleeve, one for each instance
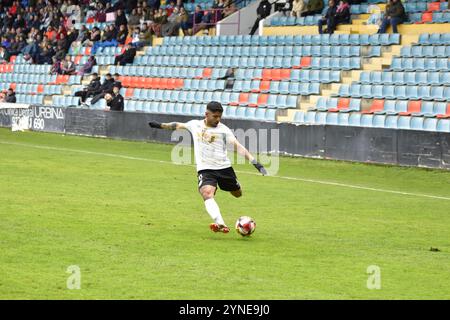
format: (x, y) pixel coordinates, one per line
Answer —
(189, 125)
(229, 136)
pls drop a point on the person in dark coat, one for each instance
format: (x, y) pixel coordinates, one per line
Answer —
(106, 87)
(127, 56)
(328, 18)
(90, 89)
(10, 96)
(262, 12)
(115, 100)
(395, 14)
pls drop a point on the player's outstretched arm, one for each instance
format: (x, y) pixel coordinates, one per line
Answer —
(245, 153)
(168, 126)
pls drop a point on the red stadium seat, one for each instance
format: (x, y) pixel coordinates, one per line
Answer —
(134, 82)
(434, 6)
(243, 98)
(266, 74)
(148, 83)
(62, 78)
(305, 62)
(377, 105)
(156, 83)
(262, 100)
(427, 17)
(13, 86)
(129, 92)
(343, 104)
(413, 107)
(264, 86)
(12, 59)
(276, 74)
(285, 74)
(77, 59)
(179, 83)
(40, 88)
(126, 81)
(87, 51)
(164, 84)
(207, 72)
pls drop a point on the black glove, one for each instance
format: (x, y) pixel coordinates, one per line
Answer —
(155, 124)
(259, 167)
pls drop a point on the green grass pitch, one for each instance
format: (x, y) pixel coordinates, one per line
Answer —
(135, 225)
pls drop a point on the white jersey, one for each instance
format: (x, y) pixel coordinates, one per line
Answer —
(210, 145)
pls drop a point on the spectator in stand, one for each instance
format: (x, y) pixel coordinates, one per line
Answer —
(394, 15)
(114, 101)
(87, 67)
(121, 19)
(160, 18)
(91, 89)
(172, 26)
(328, 18)
(262, 12)
(313, 7)
(298, 6)
(10, 96)
(126, 57)
(105, 87)
(108, 39)
(94, 37)
(2, 96)
(187, 26)
(134, 18)
(122, 34)
(56, 66)
(2, 54)
(67, 66)
(46, 54)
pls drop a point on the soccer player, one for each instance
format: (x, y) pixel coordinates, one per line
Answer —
(213, 166)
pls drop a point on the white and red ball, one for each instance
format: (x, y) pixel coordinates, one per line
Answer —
(245, 226)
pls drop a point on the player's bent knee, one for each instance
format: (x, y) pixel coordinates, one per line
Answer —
(207, 192)
(237, 193)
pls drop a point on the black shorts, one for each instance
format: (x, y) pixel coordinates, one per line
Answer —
(225, 178)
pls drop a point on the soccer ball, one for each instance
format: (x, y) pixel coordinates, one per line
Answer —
(245, 226)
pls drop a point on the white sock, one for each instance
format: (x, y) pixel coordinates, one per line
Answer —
(214, 211)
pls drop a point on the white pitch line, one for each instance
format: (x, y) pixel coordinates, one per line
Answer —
(337, 184)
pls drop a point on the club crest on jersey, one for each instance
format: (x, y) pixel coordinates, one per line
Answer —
(206, 137)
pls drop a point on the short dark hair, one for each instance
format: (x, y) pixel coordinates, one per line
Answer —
(108, 75)
(214, 106)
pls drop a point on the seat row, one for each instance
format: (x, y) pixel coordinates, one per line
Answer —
(226, 97)
(169, 72)
(438, 93)
(65, 101)
(198, 110)
(39, 78)
(231, 62)
(256, 51)
(282, 87)
(38, 88)
(369, 120)
(384, 39)
(434, 39)
(405, 78)
(293, 21)
(30, 99)
(402, 107)
(425, 51)
(429, 17)
(303, 75)
(32, 68)
(420, 64)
